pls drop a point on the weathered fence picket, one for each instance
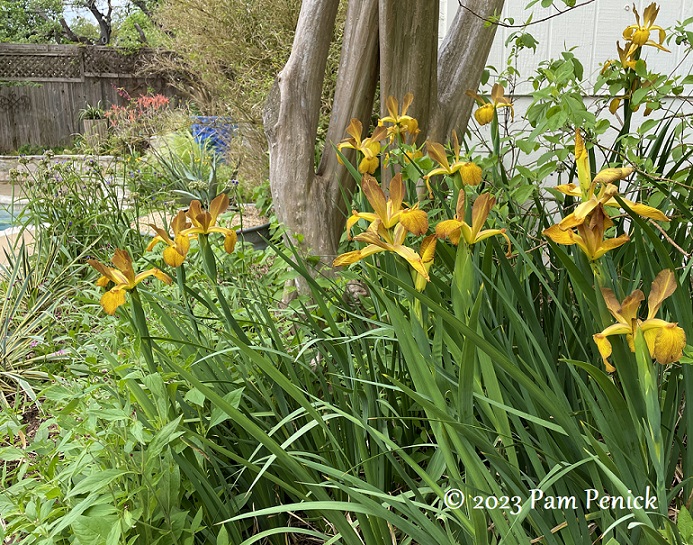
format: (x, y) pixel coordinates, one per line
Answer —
(43, 87)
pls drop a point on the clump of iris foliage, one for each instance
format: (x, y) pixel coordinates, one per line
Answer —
(504, 333)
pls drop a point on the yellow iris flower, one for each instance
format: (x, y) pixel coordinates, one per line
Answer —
(389, 224)
(585, 191)
(389, 212)
(665, 340)
(412, 156)
(369, 147)
(427, 251)
(401, 123)
(639, 34)
(470, 172)
(124, 278)
(204, 221)
(380, 239)
(625, 55)
(590, 217)
(178, 247)
(605, 197)
(589, 236)
(484, 114)
(457, 228)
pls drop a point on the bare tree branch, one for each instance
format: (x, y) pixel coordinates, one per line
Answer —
(666, 236)
(70, 34)
(460, 68)
(140, 32)
(104, 20)
(505, 25)
(143, 6)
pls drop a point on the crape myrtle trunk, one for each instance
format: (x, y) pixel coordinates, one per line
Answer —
(391, 42)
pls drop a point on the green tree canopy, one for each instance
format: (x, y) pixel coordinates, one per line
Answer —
(30, 21)
(92, 21)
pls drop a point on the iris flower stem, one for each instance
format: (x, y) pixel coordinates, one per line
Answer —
(462, 281)
(652, 425)
(418, 312)
(210, 266)
(599, 275)
(600, 281)
(180, 279)
(209, 262)
(142, 329)
(627, 115)
(495, 137)
(627, 112)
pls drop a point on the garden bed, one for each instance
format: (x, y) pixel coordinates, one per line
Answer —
(495, 361)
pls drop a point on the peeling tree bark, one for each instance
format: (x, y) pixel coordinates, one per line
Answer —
(357, 79)
(461, 61)
(382, 40)
(291, 122)
(307, 202)
(408, 49)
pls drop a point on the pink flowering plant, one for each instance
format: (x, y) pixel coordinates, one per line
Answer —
(138, 119)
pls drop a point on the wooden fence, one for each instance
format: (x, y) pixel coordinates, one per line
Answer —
(43, 88)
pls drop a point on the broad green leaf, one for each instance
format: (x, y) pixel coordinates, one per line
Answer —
(195, 397)
(96, 482)
(96, 529)
(685, 525)
(218, 414)
(12, 454)
(223, 536)
(166, 435)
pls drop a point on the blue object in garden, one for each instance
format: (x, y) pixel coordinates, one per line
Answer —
(214, 130)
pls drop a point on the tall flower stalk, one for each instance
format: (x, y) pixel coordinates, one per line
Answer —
(125, 280)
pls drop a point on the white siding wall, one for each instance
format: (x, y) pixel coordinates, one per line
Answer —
(594, 29)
